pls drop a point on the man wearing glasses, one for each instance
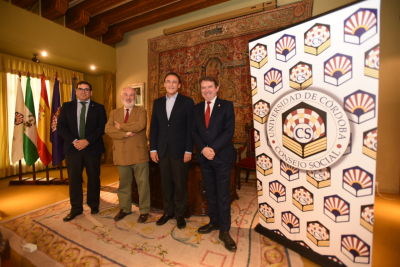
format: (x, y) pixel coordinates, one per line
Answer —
(81, 124)
(127, 127)
(171, 146)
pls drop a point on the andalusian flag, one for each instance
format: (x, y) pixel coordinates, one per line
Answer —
(30, 131)
(56, 140)
(17, 145)
(43, 141)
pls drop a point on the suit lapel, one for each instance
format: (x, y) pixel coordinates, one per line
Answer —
(177, 104)
(202, 113)
(163, 107)
(91, 114)
(74, 117)
(121, 115)
(215, 112)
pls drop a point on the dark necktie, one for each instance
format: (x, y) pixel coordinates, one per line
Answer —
(82, 121)
(126, 116)
(208, 111)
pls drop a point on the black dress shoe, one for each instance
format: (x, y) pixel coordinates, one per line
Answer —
(164, 219)
(229, 243)
(180, 222)
(94, 211)
(143, 218)
(120, 215)
(71, 216)
(208, 228)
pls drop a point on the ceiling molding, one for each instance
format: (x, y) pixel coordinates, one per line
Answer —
(155, 16)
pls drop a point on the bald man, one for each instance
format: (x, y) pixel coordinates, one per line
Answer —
(127, 127)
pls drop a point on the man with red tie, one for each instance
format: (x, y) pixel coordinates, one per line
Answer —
(212, 131)
(127, 127)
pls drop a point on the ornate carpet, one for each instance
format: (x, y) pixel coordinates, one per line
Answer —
(219, 50)
(96, 240)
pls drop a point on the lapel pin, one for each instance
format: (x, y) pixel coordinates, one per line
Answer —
(219, 105)
(92, 105)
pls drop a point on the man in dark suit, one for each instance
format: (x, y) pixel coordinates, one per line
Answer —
(171, 146)
(81, 124)
(212, 131)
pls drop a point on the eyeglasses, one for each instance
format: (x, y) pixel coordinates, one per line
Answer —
(83, 90)
(173, 82)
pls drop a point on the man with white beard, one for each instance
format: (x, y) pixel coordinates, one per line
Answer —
(127, 127)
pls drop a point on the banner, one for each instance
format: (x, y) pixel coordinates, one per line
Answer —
(315, 97)
(30, 129)
(43, 141)
(17, 145)
(56, 140)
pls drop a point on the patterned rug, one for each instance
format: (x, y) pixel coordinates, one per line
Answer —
(97, 240)
(219, 50)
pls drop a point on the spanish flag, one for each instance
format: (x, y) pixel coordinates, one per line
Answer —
(43, 134)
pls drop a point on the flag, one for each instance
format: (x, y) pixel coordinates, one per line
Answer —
(44, 118)
(17, 144)
(56, 140)
(30, 129)
(74, 82)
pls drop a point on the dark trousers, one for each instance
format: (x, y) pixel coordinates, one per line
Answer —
(174, 176)
(217, 182)
(75, 165)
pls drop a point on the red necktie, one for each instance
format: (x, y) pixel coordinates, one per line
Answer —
(208, 113)
(127, 115)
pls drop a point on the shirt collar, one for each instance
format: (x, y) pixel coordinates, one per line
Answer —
(87, 101)
(213, 100)
(172, 97)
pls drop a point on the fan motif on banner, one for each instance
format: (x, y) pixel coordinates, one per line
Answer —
(285, 47)
(355, 249)
(338, 69)
(289, 172)
(360, 106)
(336, 208)
(290, 222)
(360, 26)
(357, 181)
(277, 191)
(273, 80)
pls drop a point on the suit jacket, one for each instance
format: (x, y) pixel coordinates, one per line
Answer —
(133, 149)
(67, 127)
(174, 132)
(219, 133)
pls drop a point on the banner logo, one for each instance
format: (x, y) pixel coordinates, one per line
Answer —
(308, 130)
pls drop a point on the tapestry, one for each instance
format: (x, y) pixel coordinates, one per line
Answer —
(97, 240)
(219, 50)
(315, 98)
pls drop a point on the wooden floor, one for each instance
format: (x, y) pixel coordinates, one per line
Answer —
(16, 200)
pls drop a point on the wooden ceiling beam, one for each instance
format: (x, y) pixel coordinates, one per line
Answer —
(53, 9)
(120, 13)
(23, 3)
(171, 11)
(78, 16)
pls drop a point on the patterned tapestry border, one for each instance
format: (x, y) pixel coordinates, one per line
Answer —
(226, 68)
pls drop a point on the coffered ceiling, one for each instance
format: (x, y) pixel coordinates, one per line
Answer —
(111, 19)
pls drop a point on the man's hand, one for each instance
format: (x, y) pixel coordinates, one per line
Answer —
(117, 125)
(154, 156)
(209, 153)
(128, 134)
(187, 157)
(81, 144)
